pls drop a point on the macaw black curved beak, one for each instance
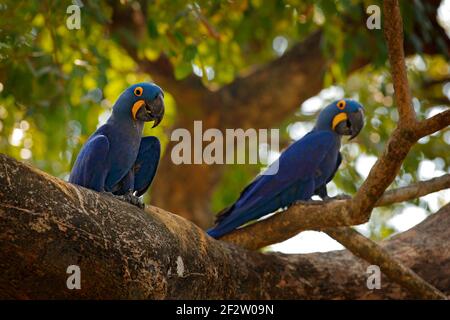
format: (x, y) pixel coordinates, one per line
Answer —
(150, 110)
(356, 122)
(352, 125)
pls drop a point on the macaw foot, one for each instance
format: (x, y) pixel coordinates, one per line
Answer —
(129, 198)
(134, 200)
(341, 196)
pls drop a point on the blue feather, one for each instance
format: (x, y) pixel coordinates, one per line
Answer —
(146, 164)
(116, 158)
(90, 168)
(307, 163)
(304, 169)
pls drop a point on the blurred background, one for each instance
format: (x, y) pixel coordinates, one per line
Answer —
(231, 64)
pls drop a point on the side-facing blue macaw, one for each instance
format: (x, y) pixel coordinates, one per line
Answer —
(304, 169)
(116, 158)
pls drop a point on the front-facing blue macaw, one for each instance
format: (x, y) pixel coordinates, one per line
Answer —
(116, 158)
(304, 169)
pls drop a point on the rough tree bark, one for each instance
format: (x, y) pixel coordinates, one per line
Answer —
(299, 73)
(47, 224)
(124, 252)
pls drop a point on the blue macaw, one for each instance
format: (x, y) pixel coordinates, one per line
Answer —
(304, 169)
(116, 158)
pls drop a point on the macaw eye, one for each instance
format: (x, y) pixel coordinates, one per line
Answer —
(341, 104)
(138, 91)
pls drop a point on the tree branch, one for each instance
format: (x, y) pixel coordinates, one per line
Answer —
(125, 253)
(430, 82)
(414, 191)
(433, 124)
(368, 250)
(318, 215)
(393, 31)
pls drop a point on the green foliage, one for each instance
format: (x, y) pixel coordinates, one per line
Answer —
(236, 177)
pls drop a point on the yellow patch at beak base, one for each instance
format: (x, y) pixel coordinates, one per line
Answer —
(338, 118)
(136, 106)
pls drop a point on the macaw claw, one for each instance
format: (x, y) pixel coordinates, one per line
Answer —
(129, 198)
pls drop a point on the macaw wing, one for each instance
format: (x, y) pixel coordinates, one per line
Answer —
(90, 168)
(146, 164)
(297, 163)
(338, 163)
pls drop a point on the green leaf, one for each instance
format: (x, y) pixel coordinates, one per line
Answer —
(189, 53)
(152, 29)
(182, 70)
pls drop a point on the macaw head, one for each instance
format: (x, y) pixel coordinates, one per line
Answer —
(141, 102)
(345, 117)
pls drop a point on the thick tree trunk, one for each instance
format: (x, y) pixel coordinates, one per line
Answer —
(124, 252)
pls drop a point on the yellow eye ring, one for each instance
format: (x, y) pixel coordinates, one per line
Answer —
(341, 104)
(138, 91)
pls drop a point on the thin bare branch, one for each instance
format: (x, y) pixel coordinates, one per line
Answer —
(433, 124)
(414, 191)
(427, 83)
(212, 31)
(393, 30)
(368, 250)
(383, 172)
